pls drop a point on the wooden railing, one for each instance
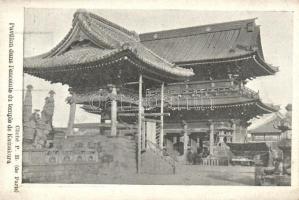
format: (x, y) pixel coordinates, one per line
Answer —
(210, 161)
(203, 92)
(249, 93)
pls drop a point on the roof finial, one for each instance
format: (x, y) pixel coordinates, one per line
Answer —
(80, 11)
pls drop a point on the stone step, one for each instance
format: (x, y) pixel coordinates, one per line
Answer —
(152, 163)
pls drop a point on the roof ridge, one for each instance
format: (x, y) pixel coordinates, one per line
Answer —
(95, 25)
(205, 25)
(209, 27)
(107, 22)
(85, 25)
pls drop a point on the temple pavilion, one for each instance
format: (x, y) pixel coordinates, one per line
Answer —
(267, 131)
(182, 90)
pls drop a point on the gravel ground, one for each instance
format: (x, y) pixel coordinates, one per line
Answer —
(185, 175)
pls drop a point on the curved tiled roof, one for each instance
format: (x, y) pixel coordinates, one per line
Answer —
(266, 128)
(105, 39)
(208, 43)
(73, 57)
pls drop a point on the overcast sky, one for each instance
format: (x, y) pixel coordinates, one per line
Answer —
(45, 28)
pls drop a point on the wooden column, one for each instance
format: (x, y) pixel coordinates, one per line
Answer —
(211, 137)
(185, 138)
(162, 116)
(245, 138)
(139, 125)
(113, 111)
(234, 130)
(143, 136)
(71, 101)
(174, 139)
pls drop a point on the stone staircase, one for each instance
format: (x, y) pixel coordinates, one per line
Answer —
(153, 161)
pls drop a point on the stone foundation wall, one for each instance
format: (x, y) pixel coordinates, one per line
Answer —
(79, 158)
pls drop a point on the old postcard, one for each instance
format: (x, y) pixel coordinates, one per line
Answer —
(190, 102)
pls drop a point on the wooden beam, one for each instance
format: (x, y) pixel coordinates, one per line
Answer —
(198, 130)
(170, 131)
(156, 114)
(143, 115)
(105, 125)
(131, 83)
(151, 120)
(153, 79)
(127, 114)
